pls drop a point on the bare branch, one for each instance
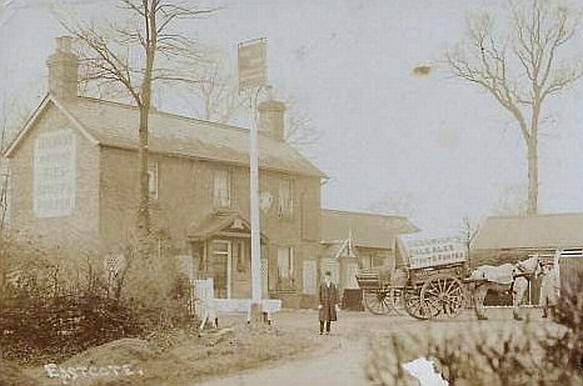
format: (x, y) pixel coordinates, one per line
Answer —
(522, 77)
(135, 55)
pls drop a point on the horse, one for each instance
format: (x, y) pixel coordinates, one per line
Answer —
(506, 278)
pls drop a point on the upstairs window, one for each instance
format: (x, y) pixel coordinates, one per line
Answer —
(286, 198)
(153, 180)
(222, 188)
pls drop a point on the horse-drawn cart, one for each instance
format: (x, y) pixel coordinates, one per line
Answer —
(379, 296)
(433, 278)
(430, 283)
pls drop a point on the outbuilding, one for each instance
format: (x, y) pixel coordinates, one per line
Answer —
(509, 239)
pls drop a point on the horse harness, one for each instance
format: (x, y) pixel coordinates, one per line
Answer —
(522, 272)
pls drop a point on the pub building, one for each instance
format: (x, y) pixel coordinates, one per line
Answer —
(74, 182)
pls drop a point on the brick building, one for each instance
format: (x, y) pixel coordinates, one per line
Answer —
(74, 180)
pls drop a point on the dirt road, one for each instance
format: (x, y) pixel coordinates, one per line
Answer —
(340, 364)
(339, 359)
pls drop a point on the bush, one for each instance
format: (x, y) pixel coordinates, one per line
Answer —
(157, 289)
(553, 357)
(56, 303)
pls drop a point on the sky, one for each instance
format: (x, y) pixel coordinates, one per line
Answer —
(431, 146)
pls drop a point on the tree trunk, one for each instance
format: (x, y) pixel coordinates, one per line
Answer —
(145, 105)
(144, 197)
(532, 154)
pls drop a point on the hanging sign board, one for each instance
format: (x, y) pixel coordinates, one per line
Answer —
(252, 64)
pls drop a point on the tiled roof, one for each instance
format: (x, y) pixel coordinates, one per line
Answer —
(368, 229)
(116, 124)
(538, 231)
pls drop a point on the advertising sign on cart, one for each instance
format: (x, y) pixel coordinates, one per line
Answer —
(435, 252)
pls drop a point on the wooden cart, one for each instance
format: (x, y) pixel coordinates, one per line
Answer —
(431, 284)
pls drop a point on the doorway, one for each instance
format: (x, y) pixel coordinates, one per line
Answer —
(221, 267)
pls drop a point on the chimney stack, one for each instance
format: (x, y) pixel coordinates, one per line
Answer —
(63, 67)
(271, 114)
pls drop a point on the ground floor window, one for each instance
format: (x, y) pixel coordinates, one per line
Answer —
(285, 267)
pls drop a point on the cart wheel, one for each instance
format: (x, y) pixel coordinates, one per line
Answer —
(443, 293)
(377, 302)
(415, 305)
(397, 303)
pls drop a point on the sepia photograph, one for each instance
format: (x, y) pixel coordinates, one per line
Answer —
(278, 192)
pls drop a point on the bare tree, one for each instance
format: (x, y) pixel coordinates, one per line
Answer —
(3, 170)
(469, 231)
(135, 55)
(220, 101)
(521, 68)
(300, 131)
(216, 90)
(512, 201)
(13, 114)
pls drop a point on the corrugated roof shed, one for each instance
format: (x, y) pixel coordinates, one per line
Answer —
(538, 231)
(368, 229)
(116, 124)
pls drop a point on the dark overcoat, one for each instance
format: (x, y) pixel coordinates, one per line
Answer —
(328, 300)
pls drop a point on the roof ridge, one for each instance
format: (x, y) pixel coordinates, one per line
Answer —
(155, 111)
(524, 216)
(365, 213)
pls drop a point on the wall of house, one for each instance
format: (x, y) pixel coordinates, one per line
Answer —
(80, 228)
(185, 197)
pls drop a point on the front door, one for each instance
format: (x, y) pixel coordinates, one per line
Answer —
(231, 267)
(221, 267)
(241, 269)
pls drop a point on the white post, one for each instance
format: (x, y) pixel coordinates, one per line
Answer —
(557, 271)
(252, 73)
(229, 270)
(255, 226)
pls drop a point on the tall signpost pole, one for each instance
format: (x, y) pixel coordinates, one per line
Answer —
(252, 70)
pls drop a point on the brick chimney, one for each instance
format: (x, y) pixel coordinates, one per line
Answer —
(63, 67)
(271, 114)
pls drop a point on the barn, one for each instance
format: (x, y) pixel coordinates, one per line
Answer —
(509, 239)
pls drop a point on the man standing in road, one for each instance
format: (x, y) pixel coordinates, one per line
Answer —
(328, 306)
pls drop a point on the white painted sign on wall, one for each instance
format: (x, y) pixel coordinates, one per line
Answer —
(54, 174)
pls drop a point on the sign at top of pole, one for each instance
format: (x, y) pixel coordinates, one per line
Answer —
(252, 64)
